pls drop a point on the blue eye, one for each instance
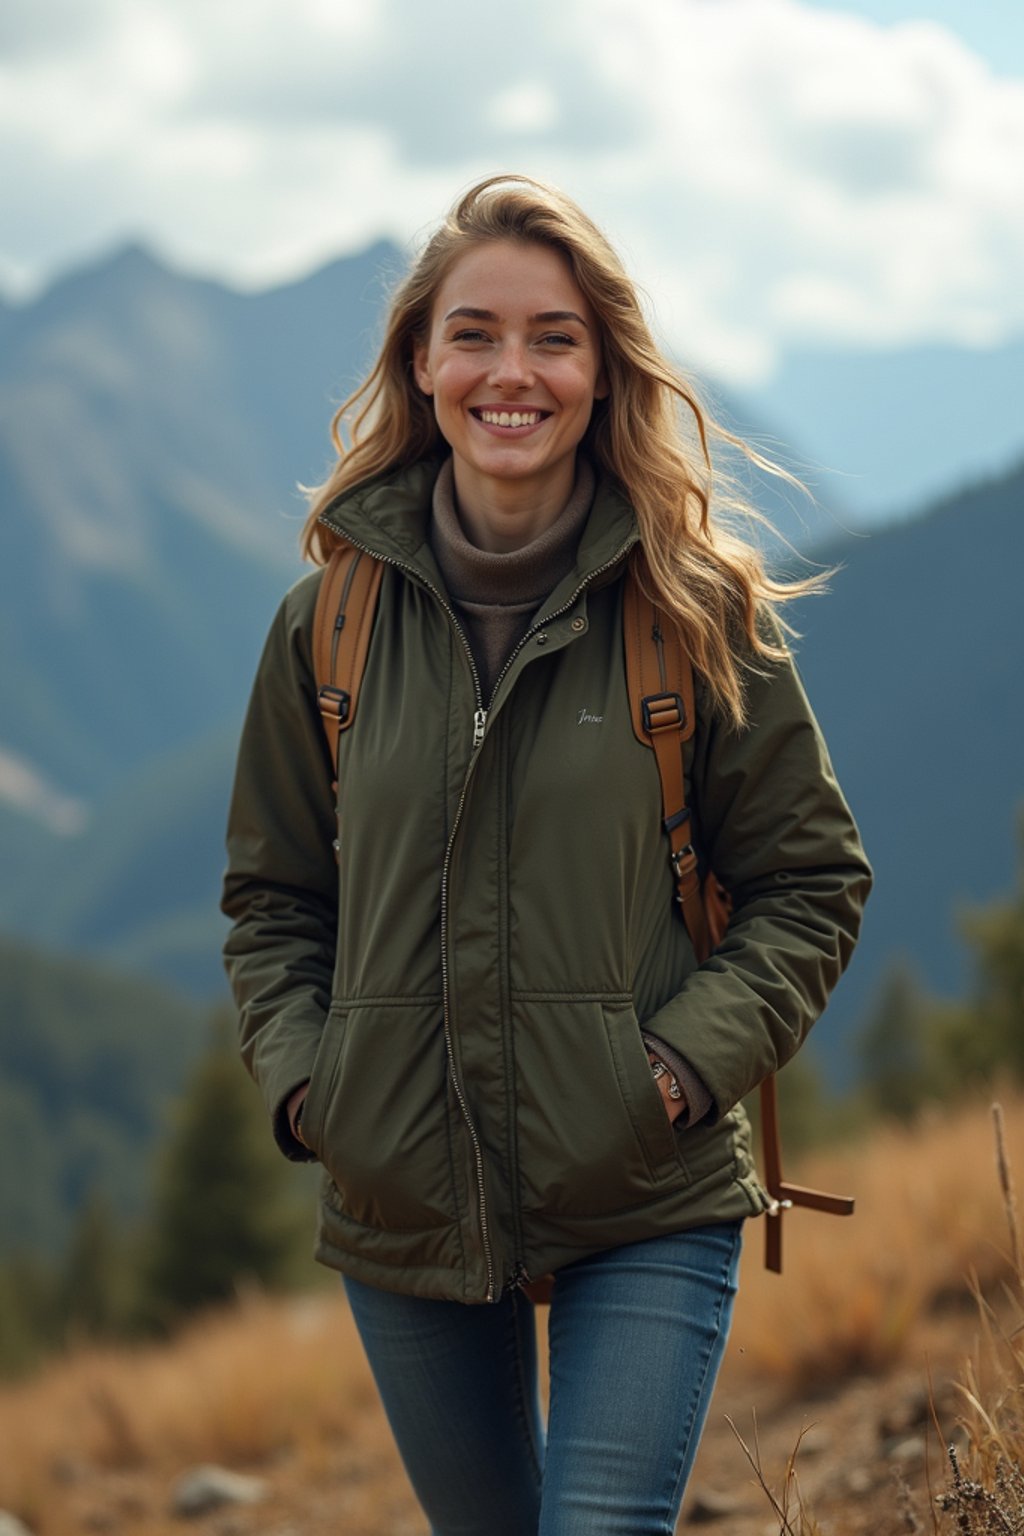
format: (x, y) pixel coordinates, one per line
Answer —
(559, 339)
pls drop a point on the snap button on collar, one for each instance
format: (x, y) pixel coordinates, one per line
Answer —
(578, 624)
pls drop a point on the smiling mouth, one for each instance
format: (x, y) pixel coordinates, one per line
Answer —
(508, 418)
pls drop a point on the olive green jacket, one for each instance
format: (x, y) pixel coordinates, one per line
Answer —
(464, 987)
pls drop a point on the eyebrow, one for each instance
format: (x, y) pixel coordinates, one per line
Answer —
(547, 317)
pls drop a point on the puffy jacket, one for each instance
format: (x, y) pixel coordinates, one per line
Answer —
(465, 985)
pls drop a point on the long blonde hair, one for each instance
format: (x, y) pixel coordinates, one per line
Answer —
(652, 433)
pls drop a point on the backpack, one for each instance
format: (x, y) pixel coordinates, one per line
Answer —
(660, 681)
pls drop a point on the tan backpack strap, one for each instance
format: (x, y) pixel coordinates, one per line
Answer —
(660, 681)
(346, 606)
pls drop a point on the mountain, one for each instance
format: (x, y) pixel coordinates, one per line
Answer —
(893, 430)
(914, 664)
(152, 429)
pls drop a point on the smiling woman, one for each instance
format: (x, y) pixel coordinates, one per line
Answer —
(463, 985)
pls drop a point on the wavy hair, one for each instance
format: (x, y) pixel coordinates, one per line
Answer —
(652, 433)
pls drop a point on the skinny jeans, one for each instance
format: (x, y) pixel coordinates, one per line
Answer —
(636, 1337)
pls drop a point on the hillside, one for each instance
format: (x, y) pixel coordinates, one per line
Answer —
(913, 663)
(89, 1062)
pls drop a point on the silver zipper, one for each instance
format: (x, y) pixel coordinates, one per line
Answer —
(479, 725)
(519, 1272)
(480, 717)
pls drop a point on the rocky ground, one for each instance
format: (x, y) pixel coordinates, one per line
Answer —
(862, 1453)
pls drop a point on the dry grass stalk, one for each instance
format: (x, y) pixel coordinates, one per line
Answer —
(988, 1499)
(788, 1504)
(1006, 1185)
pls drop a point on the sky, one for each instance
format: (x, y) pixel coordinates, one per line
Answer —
(776, 173)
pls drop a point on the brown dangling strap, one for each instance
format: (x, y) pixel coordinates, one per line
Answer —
(660, 681)
(342, 624)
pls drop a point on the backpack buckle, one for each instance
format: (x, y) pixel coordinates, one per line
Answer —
(663, 712)
(681, 856)
(334, 703)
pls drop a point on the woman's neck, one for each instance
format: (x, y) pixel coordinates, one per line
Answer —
(503, 516)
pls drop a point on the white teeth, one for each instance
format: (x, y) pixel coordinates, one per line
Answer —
(510, 419)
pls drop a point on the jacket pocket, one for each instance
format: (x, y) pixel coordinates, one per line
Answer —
(593, 1135)
(383, 1136)
(639, 1090)
(321, 1078)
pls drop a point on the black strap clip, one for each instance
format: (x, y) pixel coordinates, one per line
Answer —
(663, 711)
(334, 703)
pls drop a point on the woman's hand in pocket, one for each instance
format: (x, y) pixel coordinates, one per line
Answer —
(294, 1111)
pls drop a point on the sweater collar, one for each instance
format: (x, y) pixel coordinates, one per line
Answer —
(390, 517)
(520, 576)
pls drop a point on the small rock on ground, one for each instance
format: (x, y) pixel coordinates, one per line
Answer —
(706, 1505)
(10, 1525)
(205, 1488)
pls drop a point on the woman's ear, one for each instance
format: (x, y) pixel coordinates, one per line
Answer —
(421, 368)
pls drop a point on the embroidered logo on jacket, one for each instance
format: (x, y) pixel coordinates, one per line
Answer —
(585, 718)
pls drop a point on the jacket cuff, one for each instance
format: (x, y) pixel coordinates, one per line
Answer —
(294, 1149)
(695, 1092)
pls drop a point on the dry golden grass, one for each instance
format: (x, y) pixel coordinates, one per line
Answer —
(283, 1385)
(856, 1291)
(986, 1494)
(267, 1379)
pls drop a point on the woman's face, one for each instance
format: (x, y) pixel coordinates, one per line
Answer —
(513, 364)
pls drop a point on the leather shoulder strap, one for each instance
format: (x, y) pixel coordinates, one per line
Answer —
(346, 606)
(656, 660)
(660, 680)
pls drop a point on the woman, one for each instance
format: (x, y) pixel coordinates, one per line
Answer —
(485, 1019)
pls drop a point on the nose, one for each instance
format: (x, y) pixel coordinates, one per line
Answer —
(511, 368)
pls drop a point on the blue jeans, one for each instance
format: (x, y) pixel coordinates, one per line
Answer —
(636, 1337)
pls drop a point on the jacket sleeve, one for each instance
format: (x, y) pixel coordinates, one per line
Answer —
(774, 826)
(280, 889)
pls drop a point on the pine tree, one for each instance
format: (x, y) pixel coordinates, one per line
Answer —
(225, 1205)
(897, 1066)
(95, 1287)
(995, 932)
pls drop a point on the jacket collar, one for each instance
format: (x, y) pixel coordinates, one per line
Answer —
(390, 516)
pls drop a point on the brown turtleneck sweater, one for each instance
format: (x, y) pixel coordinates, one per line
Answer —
(496, 596)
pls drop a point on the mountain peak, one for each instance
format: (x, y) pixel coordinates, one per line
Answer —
(133, 256)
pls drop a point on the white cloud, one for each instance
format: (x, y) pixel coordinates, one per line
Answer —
(526, 108)
(773, 172)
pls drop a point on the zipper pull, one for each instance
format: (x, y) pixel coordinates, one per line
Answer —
(479, 724)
